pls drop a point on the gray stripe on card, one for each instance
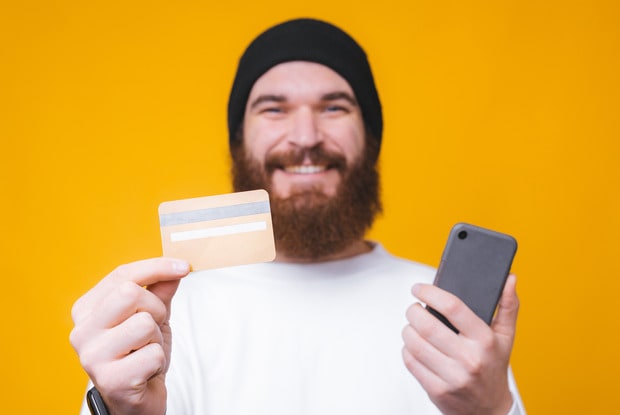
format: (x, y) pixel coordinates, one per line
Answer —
(220, 212)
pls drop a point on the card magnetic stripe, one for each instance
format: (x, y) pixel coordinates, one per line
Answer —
(220, 212)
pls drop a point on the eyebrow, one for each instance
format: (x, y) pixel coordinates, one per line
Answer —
(267, 98)
(332, 96)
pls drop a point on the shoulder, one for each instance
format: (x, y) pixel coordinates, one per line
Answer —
(382, 260)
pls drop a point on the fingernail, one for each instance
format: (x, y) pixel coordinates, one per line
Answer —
(180, 267)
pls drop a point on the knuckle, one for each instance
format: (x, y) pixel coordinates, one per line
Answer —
(121, 272)
(152, 358)
(75, 338)
(143, 322)
(460, 384)
(107, 380)
(441, 391)
(452, 305)
(475, 366)
(159, 356)
(89, 361)
(418, 319)
(487, 341)
(159, 312)
(77, 310)
(129, 291)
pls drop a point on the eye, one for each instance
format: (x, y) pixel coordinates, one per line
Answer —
(335, 108)
(272, 110)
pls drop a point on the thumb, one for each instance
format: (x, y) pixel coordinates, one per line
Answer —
(505, 320)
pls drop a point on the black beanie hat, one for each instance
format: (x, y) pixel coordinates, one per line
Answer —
(306, 40)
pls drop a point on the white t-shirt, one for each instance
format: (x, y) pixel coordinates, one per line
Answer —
(277, 338)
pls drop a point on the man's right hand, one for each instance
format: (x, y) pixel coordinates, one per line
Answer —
(122, 335)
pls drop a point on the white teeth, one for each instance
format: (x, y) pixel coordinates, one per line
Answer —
(304, 169)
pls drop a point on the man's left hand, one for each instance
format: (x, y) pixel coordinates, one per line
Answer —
(465, 373)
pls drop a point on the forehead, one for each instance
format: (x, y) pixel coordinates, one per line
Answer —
(300, 77)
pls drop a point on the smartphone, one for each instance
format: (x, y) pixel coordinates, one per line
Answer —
(474, 266)
(95, 402)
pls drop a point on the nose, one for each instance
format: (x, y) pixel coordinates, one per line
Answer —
(304, 131)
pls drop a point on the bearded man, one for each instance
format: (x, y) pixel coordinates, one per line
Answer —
(318, 331)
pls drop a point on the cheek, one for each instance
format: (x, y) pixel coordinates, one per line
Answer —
(351, 142)
(261, 136)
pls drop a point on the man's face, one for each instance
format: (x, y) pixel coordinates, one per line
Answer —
(302, 123)
(303, 140)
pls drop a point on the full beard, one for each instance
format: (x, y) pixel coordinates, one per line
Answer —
(310, 225)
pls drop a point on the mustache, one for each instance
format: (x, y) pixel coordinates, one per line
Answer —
(316, 155)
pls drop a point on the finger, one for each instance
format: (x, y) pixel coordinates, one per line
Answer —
(165, 290)
(433, 358)
(150, 271)
(143, 272)
(136, 332)
(505, 320)
(423, 351)
(126, 301)
(433, 331)
(119, 305)
(137, 368)
(427, 378)
(128, 337)
(453, 308)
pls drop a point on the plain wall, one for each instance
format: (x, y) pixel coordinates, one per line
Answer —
(499, 113)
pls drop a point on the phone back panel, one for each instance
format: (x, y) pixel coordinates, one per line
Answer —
(474, 266)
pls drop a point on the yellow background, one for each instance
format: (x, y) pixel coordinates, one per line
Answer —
(500, 113)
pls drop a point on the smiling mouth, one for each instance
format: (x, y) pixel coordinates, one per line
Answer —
(305, 169)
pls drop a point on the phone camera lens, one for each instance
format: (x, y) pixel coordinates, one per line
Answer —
(462, 234)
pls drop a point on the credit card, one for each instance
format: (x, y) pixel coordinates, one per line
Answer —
(218, 231)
